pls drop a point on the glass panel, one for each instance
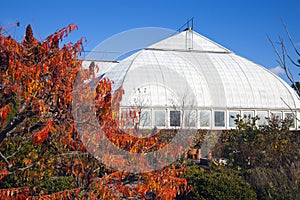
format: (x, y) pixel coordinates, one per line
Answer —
(127, 118)
(248, 114)
(190, 118)
(145, 118)
(276, 115)
(262, 115)
(232, 117)
(290, 116)
(159, 118)
(219, 118)
(205, 119)
(174, 118)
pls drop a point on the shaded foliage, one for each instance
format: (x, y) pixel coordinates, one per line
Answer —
(266, 156)
(217, 184)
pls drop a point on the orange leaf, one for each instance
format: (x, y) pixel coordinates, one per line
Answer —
(4, 111)
(27, 161)
(3, 173)
(42, 135)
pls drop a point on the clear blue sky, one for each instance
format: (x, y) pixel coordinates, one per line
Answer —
(239, 25)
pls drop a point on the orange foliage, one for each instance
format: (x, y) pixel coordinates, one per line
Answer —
(111, 125)
(14, 193)
(41, 136)
(38, 79)
(66, 194)
(3, 173)
(4, 112)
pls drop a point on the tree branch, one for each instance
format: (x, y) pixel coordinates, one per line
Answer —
(6, 160)
(290, 38)
(282, 62)
(22, 169)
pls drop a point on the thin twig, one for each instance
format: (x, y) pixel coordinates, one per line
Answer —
(18, 149)
(22, 169)
(290, 38)
(282, 61)
(6, 160)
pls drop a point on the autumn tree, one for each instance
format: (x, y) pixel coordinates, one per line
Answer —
(36, 78)
(41, 153)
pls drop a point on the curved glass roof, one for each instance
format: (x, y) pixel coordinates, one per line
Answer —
(189, 70)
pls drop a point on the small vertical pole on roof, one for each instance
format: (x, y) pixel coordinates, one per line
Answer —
(192, 32)
(186, 34)
(192, 23)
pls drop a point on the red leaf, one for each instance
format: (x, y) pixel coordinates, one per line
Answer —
(41, 136)
(72, 27)
(3, 173)
(4, 115)
(4, 111)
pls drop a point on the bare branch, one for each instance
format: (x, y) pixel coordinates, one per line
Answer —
(293, 112)
(290, 38)
(22, 169)
(292, 61)
(18, 149)
(282, 61)
(6, 160)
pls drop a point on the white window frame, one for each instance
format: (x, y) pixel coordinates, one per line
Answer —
(297, 120)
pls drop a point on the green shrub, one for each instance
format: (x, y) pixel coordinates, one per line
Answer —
(217, 184)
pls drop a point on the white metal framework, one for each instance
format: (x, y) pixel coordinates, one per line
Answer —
(190, 81)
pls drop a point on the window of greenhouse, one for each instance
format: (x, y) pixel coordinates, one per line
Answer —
(127, 118)
(174, 118)
(248, 114)
(262, 115)
(276, 115)
(290, 116)
(159, 118)
(145, 118)
(205, 119)
(190, 118)
(232, 117)
(219, 118)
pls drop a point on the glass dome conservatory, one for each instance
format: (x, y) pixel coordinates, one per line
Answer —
(189, 81)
